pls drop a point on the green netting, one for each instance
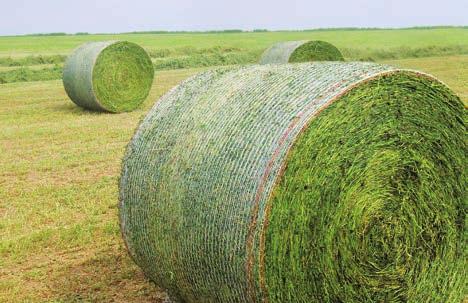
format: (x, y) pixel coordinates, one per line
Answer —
(113, 76)
(301, 51)
(315, 182)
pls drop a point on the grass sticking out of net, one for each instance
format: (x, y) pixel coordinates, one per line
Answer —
(108, 76)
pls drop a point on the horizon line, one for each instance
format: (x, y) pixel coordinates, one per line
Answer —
(233, 30)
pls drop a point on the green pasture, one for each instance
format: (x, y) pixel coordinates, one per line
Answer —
(359, 39)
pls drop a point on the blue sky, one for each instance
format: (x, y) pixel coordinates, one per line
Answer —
(41, 16)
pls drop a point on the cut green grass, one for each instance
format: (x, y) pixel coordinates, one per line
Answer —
(377, 54)
(31, 67)
(206, 60)
(44, 72)
(26, 74)
(353, 218)
(32, 60)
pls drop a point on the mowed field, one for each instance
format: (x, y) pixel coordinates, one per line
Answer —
(60, 164)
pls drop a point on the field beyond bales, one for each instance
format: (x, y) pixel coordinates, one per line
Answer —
(385, 40)
(20, 56)
(59, 164)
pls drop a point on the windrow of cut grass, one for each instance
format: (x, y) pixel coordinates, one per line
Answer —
(190, 50)
(376, 54)
(153, 53)
(32, 60)
(190, 57)
(300, 183)
(206, 60)
(40, 66)
(198, 59)
(26, 74)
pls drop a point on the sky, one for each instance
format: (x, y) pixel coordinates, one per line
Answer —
(113, 16)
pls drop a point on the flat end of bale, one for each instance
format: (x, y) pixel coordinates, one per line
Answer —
(112, 76)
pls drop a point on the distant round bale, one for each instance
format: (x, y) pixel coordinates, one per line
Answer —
(311, 182)
(112, 76)
(301, 51)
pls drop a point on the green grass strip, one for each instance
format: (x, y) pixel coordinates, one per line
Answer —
(32, 60)
(25, 74)
(189, 57)
(113, 76)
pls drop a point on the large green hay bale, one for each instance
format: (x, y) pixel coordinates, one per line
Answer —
(301, 51)
(113, 76)
(315, 182)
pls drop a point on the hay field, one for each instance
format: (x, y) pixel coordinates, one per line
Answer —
(59, 164)
(21, 55)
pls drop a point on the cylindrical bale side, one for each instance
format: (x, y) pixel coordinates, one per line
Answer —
(301, 51)
(330, 182)
(112, 76)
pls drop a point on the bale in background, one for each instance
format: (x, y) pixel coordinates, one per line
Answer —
(113, 76)
(315, 182)
(301, 51)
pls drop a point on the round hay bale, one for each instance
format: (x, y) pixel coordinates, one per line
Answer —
(315, 182)
(112, 76)
(301, 51)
